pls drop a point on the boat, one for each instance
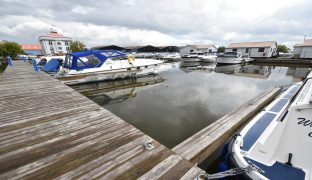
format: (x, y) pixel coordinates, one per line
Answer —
(233, 58)
(172, 57)
(209, 58)
(45, 59)
(277, 142)
(98, 65)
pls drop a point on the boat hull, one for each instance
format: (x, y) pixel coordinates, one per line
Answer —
(229, 60)
(108, 75)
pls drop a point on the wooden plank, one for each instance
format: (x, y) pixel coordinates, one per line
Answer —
(201, 145)
(48, 130)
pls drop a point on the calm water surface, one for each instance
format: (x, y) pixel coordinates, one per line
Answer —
(179, 102)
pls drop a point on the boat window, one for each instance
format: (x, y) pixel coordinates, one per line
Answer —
(234, 50)
(200, 53)
(42, 62)
(138, 67)
(90, 60)
(261, 50)
(247, 50)
(68, 61)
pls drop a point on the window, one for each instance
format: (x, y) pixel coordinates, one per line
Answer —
(261, 50)
(50, 42)
(89, 60)
(247, 50)
(66, 43)
(234, 50)
(67, 48)
(60, 48)
(51, 49)
(59, 43)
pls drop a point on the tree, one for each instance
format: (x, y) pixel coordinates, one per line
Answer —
(77, 46)
(11, 49)
(221, 49)
(283, 49)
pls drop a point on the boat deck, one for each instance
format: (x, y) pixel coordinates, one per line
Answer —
(49, 130)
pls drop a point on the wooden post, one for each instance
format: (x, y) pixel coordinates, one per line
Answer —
(9, 61)
(36, 69)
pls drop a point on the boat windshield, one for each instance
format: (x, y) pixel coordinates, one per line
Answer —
(90, 60)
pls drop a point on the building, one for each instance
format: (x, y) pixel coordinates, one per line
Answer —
(32, 49)
(254, 49)
(303, 50)
(203, 48)
(54, 43)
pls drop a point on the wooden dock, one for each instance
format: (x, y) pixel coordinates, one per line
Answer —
(50, 131)
(204, 143)
(283, 62)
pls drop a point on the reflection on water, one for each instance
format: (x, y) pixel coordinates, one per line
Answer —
(109, 92)
(189, 99)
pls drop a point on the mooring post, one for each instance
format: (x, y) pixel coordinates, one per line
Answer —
(9, 61)
(36, 69)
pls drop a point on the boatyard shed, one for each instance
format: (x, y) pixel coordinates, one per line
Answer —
(32, 49)
(254, 49)
(191, 48)
(110, 47)
(303, 50)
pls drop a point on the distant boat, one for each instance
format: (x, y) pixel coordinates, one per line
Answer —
(232, 58)
(172, 57)
(277, 142)
(97, 65)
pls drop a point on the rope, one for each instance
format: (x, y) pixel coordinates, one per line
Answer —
(230, 172)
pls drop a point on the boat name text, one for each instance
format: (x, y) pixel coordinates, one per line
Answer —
(305, 122)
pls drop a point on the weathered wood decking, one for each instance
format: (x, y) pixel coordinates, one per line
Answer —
(48, 130)
(202, 144)
(283, 61)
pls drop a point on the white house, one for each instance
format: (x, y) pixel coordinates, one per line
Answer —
(254, 49)
(54, 43)
(203, 48)
(303, 50)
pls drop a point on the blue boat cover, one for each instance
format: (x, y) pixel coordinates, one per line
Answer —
(52, 66)
(92, 58)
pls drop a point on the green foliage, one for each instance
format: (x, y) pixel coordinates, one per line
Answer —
(77, 46)
(283, 49)
(221, 49)
(11, 49)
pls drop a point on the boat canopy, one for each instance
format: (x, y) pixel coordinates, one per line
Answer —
(90, 58)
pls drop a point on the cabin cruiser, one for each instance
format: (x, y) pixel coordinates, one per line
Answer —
(232, 58)
(277, 142)
(96, 65)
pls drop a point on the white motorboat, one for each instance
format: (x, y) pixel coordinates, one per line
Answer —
(277, 142)
(209, 58)
(97, 65)
(172, 57)
(232, 58)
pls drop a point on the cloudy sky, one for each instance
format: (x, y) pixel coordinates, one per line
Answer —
(158, 22)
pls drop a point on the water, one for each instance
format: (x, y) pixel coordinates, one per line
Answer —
(180, 102)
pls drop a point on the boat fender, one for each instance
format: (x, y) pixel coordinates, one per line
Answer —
(131, 59)
(289, 160)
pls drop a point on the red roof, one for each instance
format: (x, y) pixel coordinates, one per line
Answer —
(31, 46)
(55, 34)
